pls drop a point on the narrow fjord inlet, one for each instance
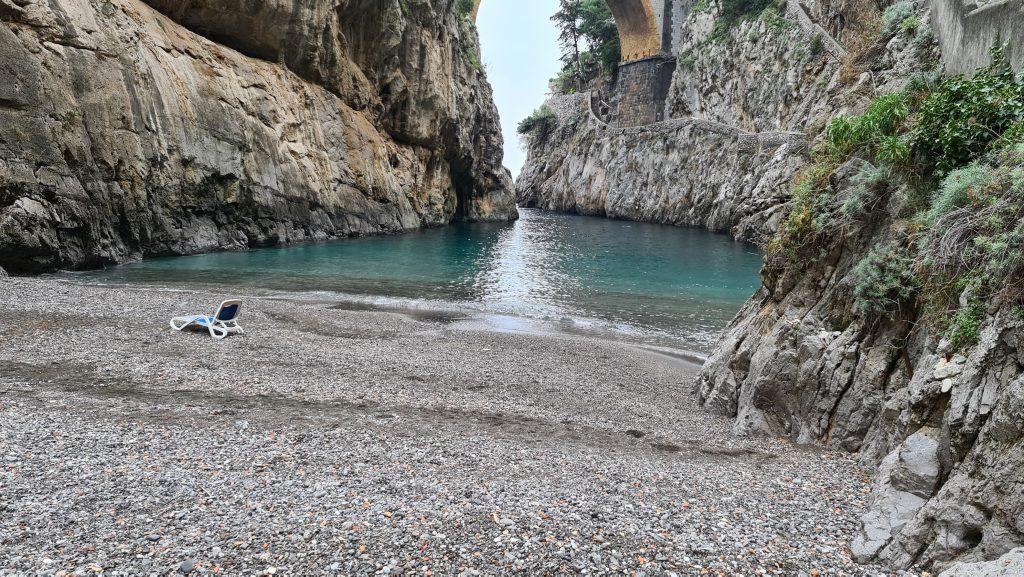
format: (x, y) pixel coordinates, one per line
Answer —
(648, 283)
(462, 288)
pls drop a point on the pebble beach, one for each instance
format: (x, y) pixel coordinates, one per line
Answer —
(333, 439)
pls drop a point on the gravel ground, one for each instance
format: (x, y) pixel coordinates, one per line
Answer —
(331, 440)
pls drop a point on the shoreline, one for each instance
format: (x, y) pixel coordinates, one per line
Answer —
(335, 441)
(460, 314)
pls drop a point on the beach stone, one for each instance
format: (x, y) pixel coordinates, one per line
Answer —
(554, 485)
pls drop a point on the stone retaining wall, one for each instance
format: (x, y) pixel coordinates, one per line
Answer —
(641, 90)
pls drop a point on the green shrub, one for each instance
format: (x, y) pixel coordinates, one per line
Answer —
(894, 16)
(541, 118)
(774, 18)
(1012, 139)
(736, 10)
(882, 120)
(464, 8)
(865, 188)
(923, 82)
(473, 59)
(732, 12)
(910, 24)
(893, 151)
(884, 280)
(956, 189)
(810, 212)
(964, 117)
(817, 45)
(924, 41)
(965, 326)
(1002, 249)
(885, 115)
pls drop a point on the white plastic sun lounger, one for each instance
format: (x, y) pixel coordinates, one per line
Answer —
(220, 325)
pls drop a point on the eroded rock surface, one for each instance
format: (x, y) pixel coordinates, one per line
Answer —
(130, 129)
(946, 425)
(1009, 565)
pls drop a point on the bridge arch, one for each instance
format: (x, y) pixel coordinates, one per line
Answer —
(639, 23)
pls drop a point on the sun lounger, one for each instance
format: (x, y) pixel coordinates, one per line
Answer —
(220, 325)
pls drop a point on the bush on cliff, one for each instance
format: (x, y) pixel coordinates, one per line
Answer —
(963, 118)
(541, 118)
(954, 147)
(463, 7)
(884, 119)
(884, 280)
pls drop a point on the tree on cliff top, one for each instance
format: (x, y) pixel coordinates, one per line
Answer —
(589, 42)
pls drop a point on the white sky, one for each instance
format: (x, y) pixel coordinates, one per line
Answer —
(520, 52)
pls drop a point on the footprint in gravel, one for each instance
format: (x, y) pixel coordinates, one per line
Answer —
(666, 447)
(636, 434)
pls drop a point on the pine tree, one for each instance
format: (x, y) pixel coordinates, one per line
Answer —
(589, 40)
(567, 18)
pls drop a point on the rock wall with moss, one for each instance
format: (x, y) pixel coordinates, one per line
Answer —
(891, 318)
(131, 128)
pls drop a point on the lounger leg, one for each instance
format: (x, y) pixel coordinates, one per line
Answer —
(217, 331)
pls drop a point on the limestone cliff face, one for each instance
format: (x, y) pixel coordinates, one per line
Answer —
(681, 172)
(703, 166)
(941, 425)
(130, 129)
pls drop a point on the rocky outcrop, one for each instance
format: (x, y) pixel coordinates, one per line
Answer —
(1009, 565)
(130, 129)
(680, 172)
(945, 421)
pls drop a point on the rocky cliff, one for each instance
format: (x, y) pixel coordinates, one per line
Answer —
(744, 96)
(890, 319)
(132, 128)
(896, 332)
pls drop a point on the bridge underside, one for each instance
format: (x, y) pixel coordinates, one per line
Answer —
(639, 24)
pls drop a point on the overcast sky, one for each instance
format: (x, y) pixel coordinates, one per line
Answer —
(521, 54)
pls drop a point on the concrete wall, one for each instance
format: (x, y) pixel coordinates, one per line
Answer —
(965, 34)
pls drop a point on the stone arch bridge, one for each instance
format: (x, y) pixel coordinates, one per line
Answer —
(642, 26)
(645, 72)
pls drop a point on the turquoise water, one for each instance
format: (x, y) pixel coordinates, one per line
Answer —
(651, 283)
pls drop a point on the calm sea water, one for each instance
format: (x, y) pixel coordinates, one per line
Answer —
(649, 283)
